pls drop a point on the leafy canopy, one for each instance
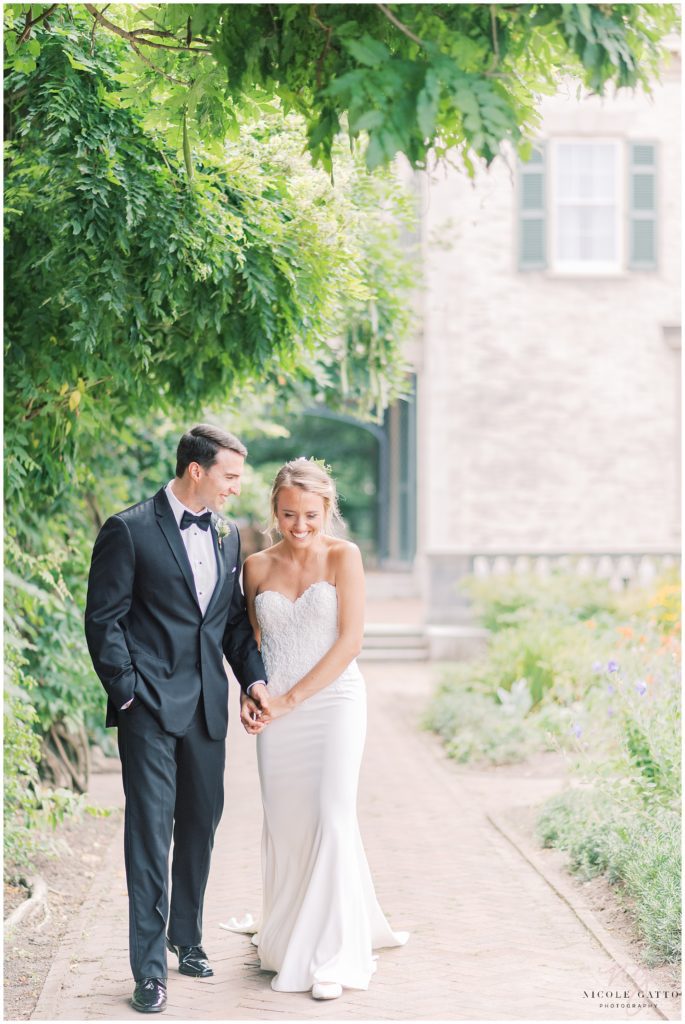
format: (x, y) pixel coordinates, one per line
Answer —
(409, 78)
(128, 290)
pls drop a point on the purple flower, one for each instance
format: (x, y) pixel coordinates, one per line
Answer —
(597, 666)
(612, 666)
(641, 687)
(610, 712)
(577, 730)
(610, 689)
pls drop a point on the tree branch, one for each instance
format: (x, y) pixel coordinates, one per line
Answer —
(184, 49)
(26, 31)
(164, 74)
(131, 38)
(495, 43)
(398, 24)
(139, 33)
(92, 34)
(132, 41)
(328, 29)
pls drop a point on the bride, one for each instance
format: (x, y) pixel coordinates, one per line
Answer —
(305, 596)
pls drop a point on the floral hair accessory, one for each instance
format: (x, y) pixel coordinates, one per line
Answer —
(321, 463)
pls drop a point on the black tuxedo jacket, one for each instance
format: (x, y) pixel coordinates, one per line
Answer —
(146, 633)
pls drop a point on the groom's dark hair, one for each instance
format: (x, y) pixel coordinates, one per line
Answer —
(201, 443)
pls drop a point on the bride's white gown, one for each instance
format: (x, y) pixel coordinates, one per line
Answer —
(320, 916)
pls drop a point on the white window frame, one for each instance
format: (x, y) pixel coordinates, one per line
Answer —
(585, 267)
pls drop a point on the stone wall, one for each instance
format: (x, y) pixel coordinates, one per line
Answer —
(549, 408)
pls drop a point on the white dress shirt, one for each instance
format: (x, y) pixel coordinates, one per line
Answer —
(200, 548)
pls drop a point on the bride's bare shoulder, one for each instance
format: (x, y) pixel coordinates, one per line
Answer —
(257, 564)
(343, 553)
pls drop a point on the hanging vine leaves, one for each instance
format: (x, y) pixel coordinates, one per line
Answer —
(409, 78)
(128, 289)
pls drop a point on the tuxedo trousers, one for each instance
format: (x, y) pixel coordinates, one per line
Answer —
(174, 788)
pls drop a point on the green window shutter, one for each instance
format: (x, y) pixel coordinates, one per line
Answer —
(532, 240)
(642, 239)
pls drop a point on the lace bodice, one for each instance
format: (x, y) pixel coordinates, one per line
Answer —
(296, 634)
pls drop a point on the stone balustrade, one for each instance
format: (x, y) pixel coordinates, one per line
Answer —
(619, 568)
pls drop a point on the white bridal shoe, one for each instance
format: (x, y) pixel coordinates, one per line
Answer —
(326, 990)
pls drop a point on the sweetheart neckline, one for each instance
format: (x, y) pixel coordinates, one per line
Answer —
(285, 597)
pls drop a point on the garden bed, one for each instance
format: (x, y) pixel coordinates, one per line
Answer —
(576, 669)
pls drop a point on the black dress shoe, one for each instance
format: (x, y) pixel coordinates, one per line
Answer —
(192, 960)
(149, 995)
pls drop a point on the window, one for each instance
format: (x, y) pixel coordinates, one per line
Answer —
(585, 206)
(576, 214)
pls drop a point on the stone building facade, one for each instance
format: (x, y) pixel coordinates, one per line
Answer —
(548, 359)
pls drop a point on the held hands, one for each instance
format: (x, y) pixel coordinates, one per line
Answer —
(254, 710)
(257, 710)
(279, 706)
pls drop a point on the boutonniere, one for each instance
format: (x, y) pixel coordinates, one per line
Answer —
(222, 529)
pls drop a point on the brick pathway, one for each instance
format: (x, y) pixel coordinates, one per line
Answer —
(490, 940)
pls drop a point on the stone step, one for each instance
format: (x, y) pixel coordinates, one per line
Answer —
(394, 654)
(394, 643)
(413, 638)
(389, 641)
(393, 628)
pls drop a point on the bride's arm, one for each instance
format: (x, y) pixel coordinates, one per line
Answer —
(349, 583)
(250, 584)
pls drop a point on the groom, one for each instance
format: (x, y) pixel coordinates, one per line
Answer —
(164, 606)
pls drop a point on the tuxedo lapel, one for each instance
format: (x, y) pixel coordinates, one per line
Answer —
(169, 527)
(221, 568)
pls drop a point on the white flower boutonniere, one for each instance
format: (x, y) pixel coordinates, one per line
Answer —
(222, 529)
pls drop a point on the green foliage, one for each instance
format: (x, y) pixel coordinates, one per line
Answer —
(631, 728)
(410, 78)
(49, 623)
(554, 639)
(651, 871)
(511, 600)
(29, 809)
(20, 766)
(580, 822)
(475, 728)
(126, 290)
(572, 666)
(638, 852)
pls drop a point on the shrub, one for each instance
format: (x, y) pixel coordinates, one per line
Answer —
(639, 851)
(20, 765)
(476, 728)
(501, 602)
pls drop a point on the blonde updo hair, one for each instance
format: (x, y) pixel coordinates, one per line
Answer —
(313, 476)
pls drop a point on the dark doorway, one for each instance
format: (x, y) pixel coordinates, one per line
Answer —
(374, 466)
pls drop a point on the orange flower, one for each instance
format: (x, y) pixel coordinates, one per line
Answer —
(625, 631)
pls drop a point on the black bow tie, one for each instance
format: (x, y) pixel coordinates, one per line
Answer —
(202, 521)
